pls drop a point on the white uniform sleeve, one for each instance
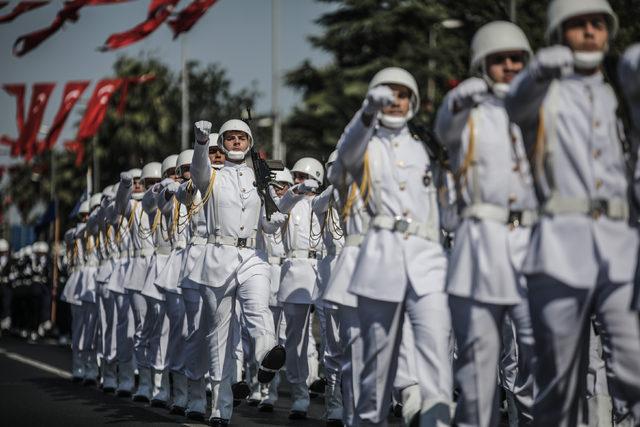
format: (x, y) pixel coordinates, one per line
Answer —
(353, 144)
(450, 125)
(201, 169)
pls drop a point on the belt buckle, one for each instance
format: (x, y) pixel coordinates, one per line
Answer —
(313, 254)
(401, 225)
(241, 242)
(515, 218)
(598, 207)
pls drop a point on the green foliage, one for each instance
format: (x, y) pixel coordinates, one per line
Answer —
(364, 36)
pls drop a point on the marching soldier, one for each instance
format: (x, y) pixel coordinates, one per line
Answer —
(583, 253)
(230, 267)
(497, 208)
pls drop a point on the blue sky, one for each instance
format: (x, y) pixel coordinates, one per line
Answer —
(234, 33)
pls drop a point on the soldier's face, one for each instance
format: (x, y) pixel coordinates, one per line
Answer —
(235, 140)
(502, 67)
(281, 188)
(402, 102)
(185, 172)
(300, 177)
(587, 33)
(137, 185)
(171, 173)
(216, 156)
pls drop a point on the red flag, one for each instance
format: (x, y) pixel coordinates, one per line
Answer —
(72, 92)
(125, 88)
(20, 8)
(94, 115)
(189, 16)
(27, 140)
(69, 12)
(16, 90)
(159, 11)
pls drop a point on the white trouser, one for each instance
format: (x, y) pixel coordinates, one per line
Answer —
(195, 350)
(351, 343)
(157, 330)
(297, 320)
(140, 342)
(77, 316)
(219, 308)
(561, 317)
(516, 363)
(108, 325)
(478, 329)
(381, 324)
(88, 341)
(175, 306)
(333, 358)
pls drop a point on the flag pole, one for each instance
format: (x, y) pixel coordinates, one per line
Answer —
(279, 150)
(184, 140)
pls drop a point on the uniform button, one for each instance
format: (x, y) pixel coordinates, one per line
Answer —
(512, 198)
(240, 173)
(396, 144)
(402, 186)
(596, 153)
(405, 213)
(598, 183)
(243, 209)
(516, 167)
(242, 227)
(400, 163)
(596, 123)
(243, 190)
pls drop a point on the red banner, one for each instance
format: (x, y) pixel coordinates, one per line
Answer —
(94, 115)
(26, 143)
(20, 8)
(159, 11)
(72, 92)
(189, 16)
(125, 88)
(69, 12)
(17, 90)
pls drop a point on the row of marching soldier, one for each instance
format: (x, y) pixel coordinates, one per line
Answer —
(499, 255)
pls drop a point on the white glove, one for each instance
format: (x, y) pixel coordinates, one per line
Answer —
(552, 62)
(165, 182)
(171, 189)
(278, 218)
(467, 93)
(202, 130)
(157, 188)
(126, 178)
(308, 186)
(378, 98)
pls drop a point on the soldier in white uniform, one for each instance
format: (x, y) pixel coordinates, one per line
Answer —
(497, 208)
(128, 204)
(401, 267)
(325, 206)
(583, 253)
(274, 246)
(196, 355)
(230, 267)
(302, 239)
(125, 323)
(76, 257)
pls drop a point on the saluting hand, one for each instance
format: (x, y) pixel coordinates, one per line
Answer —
(378, 98)
(202, 130)
(552, 62)
(467, 93)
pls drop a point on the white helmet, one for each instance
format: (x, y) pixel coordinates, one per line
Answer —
(400, 76)
(234, 124)
(169, 163)
(4, 245)
(135, 173)
(95, 200)
(284, 176)
(332, 158)
(494, 37)
(27, 251)
(213, 140)
(41, 247)
(311, 167)
(108, 192)
(561, 10)
(184, 159)
(151, 170)
(84, 207)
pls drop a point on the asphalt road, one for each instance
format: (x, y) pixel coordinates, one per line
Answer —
(36, 390)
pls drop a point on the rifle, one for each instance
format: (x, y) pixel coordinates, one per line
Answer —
(263, 170)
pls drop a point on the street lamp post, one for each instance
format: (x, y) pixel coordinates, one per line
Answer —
(448, 24)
